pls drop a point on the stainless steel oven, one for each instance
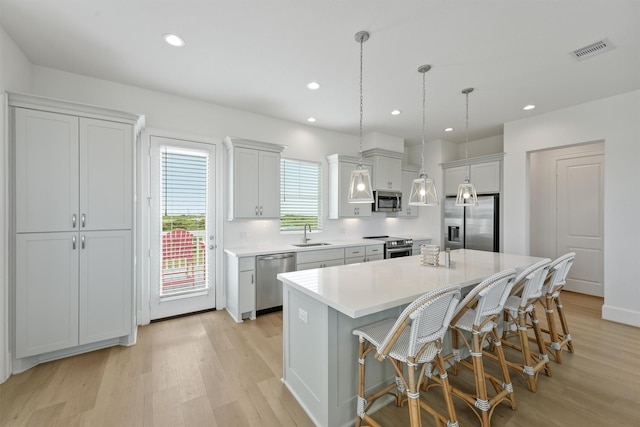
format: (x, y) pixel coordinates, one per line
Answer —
(395, 247)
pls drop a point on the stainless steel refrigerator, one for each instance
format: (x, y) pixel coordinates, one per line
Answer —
(474, 227)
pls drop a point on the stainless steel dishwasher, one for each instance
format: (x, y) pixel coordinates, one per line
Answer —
(268, 287)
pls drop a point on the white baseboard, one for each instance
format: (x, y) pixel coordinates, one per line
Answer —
(621, 315)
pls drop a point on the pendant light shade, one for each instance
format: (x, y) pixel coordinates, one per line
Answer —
(360, 189)
(423, 189)
(466, 191)
(360, 186)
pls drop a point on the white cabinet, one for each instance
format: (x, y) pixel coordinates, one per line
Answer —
(387, 169)
(74, 225)
(374, 252)
(340, 168)
(306, 260)
(409, 173)
(254, 179)
(485, 174)
(241, 287)
(354, 254)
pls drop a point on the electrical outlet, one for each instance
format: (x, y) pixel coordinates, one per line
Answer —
(302, 314)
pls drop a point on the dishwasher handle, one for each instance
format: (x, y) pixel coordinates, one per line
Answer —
(276, 256)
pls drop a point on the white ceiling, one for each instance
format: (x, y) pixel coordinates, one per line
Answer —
(258, 55)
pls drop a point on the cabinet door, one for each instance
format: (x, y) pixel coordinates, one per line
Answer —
(395, 174)
(106, 285)
(46, 149)
(346, 209)
(408, 211)
(245, 180)
(106, 175)
(486, 177)
(453, 177)
(246, 291)
(269, 185)
(387, 173)
(46, 292)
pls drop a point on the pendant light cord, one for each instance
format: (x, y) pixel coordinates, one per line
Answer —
(466, 144)
(361, 103)
(424, 91)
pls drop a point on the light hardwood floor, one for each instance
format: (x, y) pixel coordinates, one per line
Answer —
(206, 370)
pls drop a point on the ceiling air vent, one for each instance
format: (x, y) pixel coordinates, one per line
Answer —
(593, 49)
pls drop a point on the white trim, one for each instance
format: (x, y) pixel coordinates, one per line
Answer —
(5, 353)
(143, 183)
(621, 315)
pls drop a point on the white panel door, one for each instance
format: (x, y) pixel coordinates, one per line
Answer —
(106, 285)
(269, 185)
(46, 147)
(106, 175)
(182, 222)
(46, 292)
(580, 212)
(246, 178)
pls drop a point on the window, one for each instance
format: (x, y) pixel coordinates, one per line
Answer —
(300, 194)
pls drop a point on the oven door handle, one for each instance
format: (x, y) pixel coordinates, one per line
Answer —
(394, 250)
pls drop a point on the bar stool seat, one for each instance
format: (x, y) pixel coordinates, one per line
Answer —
(413, 340)
(520, 317)
(476, 315)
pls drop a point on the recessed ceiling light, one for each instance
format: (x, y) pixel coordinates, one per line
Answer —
(311, 119)
(313, 85)
(396, 112)
(173, 40)
(448, 129)
(529, 107)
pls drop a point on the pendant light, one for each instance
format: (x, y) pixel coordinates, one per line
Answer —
(423, 189)
(466, 191)
(360, 186)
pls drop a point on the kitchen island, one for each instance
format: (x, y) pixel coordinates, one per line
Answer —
(322, 306)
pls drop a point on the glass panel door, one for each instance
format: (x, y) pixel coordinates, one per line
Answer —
(182, 225)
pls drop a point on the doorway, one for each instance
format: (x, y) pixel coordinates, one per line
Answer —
(182, 225)
(567, 211)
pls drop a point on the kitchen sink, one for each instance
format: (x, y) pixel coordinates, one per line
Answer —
(306, 245)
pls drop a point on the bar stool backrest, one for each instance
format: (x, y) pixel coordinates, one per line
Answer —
(428, 317)
(558, 271)
(490, 295)
(530, 282)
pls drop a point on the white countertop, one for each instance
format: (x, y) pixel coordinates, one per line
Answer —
(279, 247)
(357, 290)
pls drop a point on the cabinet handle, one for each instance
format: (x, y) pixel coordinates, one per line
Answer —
(82, 220)
(73, 243)
(82, 240)
(260, 210)
(252, 278)
(256, 211)
(73, 221)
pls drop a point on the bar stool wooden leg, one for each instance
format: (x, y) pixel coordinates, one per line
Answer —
(566, 339)
(543, 357)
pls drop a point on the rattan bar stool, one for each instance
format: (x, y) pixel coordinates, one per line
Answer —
(478, 314)
(520, 317)
(414, 340)
(556, 279)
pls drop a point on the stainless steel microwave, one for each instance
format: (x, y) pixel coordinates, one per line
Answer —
(387, 201)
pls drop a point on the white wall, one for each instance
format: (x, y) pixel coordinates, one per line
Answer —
(173, 113)
(15, 75)
(616, 121)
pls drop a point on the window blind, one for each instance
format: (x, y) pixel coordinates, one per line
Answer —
(184, 212)
(300, 194)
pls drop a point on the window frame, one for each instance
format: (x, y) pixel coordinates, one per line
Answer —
(317, 200)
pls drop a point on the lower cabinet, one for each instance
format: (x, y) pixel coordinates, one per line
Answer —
(241, 287)
(320, 259)
(415, 249)
(72, 289)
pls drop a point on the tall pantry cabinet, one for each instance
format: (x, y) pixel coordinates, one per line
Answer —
(73, 222)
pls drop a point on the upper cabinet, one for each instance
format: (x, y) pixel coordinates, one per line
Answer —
(254, 179)
(484, 172)
(409, 173)
(72, 173)
(340, 168)
(387, 169)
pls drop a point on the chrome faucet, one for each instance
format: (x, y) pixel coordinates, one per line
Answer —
(305, 239)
